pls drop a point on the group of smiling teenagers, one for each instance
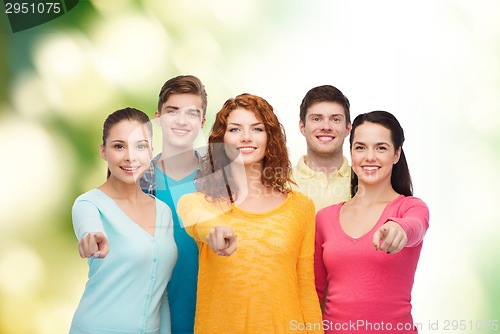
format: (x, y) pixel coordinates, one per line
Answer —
(235, 240)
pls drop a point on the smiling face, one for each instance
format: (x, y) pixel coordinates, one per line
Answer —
(181, 119)
(245, 139)
(373, 154)
(127, 150)
(325, 128)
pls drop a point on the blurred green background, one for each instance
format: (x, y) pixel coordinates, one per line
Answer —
(434, 64)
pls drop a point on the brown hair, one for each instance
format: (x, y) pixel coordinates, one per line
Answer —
(325, 93)
(216, 187)
(183, 84)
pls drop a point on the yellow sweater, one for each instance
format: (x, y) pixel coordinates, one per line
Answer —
(267, 285)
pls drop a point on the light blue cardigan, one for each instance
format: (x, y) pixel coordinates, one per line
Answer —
(126, 290)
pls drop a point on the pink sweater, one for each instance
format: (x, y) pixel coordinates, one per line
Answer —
(368, 291)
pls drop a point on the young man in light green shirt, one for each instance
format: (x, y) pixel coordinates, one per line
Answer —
(323, 173)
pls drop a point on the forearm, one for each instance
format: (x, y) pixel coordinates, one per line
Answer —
(415, 222)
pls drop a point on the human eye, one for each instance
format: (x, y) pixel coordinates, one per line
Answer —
(119, 146)
(193, 114)
(337, 119)
(258, 129)
(142, 146)
(359, 147)
(315, 119)
(172, 112)
(233, 129)
(382, 148)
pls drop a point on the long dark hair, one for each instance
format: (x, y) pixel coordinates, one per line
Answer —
(212, 178)
(400, 178)
(125, 114)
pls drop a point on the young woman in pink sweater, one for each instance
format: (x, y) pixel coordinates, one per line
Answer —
(367, 249)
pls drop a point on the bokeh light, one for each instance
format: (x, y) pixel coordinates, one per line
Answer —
(66, 63)
(36, 161)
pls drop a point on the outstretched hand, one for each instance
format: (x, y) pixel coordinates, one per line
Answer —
(94, 244)
(390, 237)
(222, 240)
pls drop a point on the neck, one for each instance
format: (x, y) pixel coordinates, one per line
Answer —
(370, 194)
(119, 190)
(169, 151)
(178, 163)
(247, 179)
(324, 163)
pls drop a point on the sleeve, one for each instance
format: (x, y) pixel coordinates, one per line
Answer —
(199, 216)
(320, 272)
(305, 271)
(414, 219)
(86, 218)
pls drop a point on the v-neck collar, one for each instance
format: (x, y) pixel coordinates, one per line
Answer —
(171, 181)
(130, 220)
(374, 227)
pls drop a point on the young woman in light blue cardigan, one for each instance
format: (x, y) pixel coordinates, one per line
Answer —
(128, 269)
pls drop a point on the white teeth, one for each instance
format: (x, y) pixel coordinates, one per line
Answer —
(325, 138)
(129, 168)
(370, 168)
(246, 149)
(181, 132)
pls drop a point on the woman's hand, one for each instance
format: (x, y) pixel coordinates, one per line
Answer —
(222, 240)
(392, 236)
(94, 244)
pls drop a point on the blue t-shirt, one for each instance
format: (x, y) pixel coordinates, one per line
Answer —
(125, 292)
(182, 285)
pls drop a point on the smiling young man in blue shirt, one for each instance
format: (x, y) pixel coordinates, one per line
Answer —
(182, 105)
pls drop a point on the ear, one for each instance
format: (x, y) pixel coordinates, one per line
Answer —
(397, 155)
(349, 128)
(102, 152)
(157, 117)
(302, 128)
(203, 122)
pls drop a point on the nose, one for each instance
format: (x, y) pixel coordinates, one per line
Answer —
(130, 154)
(246, 136)
(181, 118)
(326, 125)
(370, 154)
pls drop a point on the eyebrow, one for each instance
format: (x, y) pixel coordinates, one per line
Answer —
(376, 144)
(123, 141)
(177, 108)
(323, 115)
(254, 124)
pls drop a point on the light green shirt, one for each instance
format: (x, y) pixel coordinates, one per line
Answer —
(323, 191)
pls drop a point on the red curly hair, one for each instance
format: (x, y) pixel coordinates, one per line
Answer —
(276, 165)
